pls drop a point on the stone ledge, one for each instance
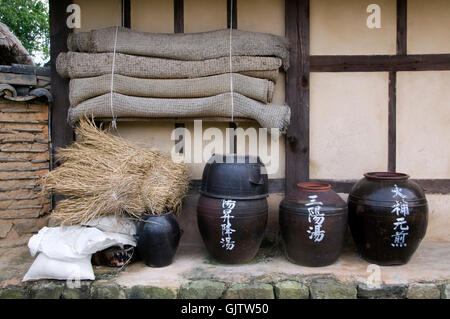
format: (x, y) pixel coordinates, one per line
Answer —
(317, 288)
(290, 289)
(193, 276)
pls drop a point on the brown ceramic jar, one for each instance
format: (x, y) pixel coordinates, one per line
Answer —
(313, 220)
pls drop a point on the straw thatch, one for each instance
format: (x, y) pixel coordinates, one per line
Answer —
(102, 174)
(11, 49)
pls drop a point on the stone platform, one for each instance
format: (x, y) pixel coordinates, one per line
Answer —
(194, 275)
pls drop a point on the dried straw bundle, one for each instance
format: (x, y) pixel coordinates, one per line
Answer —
(102, 174)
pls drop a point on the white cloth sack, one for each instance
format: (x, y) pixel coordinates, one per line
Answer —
(65, 252)
(75, 242)
(48, 268)
(112, 224)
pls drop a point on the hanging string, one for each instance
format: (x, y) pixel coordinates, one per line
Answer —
(114, 122)
(231, 64)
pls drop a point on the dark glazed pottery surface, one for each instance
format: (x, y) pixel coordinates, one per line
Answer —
(248, 222)
(158, 238)
(296, 200)
(388, 217)
(233, 176)
(376, 188)
(313, 220)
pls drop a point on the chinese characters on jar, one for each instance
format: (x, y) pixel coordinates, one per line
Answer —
(401, 210)
(227, 231)
(316, 218)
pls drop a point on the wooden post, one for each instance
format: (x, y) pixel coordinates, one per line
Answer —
(392, 124)
(126, 13)
(178, 16)
(297, 93)
(392, 115)
(401, 27)
(232, 12)
(232, 23)
(178, 27)
(62, 132)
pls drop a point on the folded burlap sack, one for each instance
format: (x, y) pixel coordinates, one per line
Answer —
(271, 75)
(86, 88)
(189, 46)
(82, 65)
(268, 116)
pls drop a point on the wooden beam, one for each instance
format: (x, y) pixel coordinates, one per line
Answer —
(233, 137)
(379, 63)
(178, 27)
(126, 13)
(392, 112)
(180, 140)
(62, 132)
(392, 124)
(401, 27)
(18, 79)
(297, 93)
(234, 13)
(178, 16)
(232, 22)
(276, 185)
(430, 186)
(434, 186)
(25, 69)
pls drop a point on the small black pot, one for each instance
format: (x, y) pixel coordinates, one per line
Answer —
(158, 238)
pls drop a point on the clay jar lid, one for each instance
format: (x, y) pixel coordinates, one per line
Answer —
(231, 176)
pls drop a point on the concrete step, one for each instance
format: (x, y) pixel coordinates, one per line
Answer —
(194, 275)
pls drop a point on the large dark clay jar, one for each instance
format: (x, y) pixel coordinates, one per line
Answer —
(388, 217)
(313, 220)
(158, 238)
(232, 211)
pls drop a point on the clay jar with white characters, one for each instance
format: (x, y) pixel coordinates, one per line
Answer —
(388, 217)
(232, 211)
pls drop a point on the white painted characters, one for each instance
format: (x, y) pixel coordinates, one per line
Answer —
(315, 217)
(226, 241)
(400, 208)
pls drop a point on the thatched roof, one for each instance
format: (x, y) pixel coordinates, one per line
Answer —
(11, 49)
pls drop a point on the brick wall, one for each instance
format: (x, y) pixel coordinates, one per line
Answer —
(24, 158)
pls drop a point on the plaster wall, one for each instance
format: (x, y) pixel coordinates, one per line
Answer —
(423, 122)
(348, 124)
(428, 27)
(338, 27)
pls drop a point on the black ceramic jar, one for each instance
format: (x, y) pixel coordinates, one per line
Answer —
(158, 237)
(232, 210)
(388, 217)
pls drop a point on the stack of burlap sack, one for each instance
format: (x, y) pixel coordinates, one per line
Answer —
(175, 75)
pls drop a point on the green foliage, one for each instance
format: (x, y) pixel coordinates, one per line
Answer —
(29, 21)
